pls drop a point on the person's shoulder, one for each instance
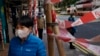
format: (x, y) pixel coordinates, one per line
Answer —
(34, 38)
(13, 40)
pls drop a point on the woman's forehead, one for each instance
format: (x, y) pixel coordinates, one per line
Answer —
(18, 26)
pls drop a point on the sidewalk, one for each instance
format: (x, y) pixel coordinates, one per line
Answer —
(4, 52)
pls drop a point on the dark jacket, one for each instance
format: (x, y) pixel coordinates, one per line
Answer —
(71, 19)
(72, 30)
(33, 46)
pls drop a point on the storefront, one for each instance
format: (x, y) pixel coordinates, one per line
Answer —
(3, 27)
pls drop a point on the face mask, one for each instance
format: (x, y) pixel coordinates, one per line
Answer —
(22, 33)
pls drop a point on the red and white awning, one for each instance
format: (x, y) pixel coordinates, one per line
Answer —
(84, 5)
(90, 16)
(53, 1)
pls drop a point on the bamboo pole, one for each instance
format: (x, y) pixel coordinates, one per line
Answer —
(49, 20)
(59, 42)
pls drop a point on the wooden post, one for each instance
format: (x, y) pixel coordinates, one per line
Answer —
(59, 42)
(49, 20)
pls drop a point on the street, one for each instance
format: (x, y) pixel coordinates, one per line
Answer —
(88, 30)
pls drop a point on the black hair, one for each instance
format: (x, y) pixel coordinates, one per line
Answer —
(25, 21)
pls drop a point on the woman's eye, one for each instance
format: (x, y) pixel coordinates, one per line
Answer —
(20, 27)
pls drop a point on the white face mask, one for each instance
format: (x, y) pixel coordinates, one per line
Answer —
(22, 33)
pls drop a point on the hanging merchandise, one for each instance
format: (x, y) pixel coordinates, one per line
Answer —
(33, 14)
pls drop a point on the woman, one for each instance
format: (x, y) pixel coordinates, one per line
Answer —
(25, 43)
